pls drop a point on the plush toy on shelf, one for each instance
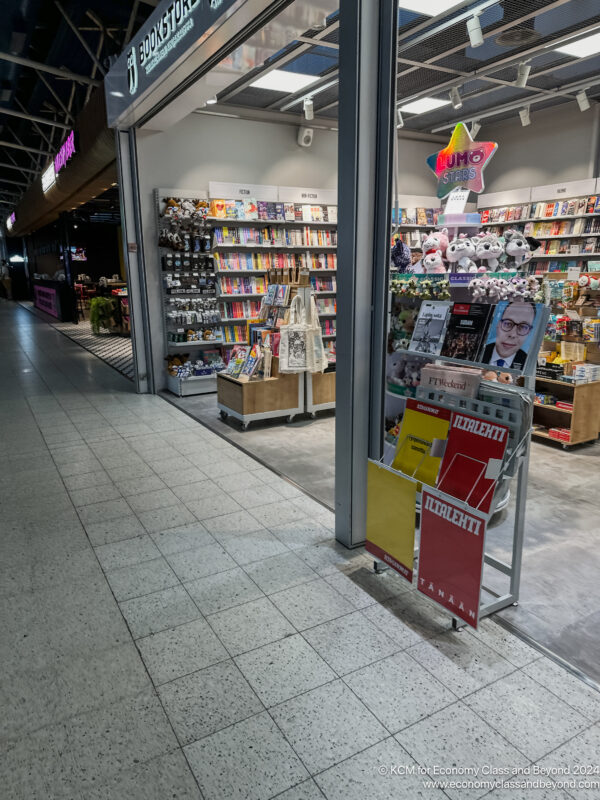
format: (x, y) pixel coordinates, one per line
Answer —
(518, 249)
(400, 255)
(431, 242)
(433, 263)
(489, 249)
(461, 251)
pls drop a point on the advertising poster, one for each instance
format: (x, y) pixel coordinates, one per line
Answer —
(451, 556)
(391, 508)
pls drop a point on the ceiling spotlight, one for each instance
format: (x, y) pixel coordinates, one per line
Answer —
(400, 120)
(474, 31)
(475, 128)
(211, 100)
(525, 116)
(582, 100)
(309, 109)
(455, 98)
(522, 74)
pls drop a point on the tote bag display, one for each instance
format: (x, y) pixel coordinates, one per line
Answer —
(293, 341)
(316, 356)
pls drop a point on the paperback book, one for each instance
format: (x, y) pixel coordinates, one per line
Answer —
(421, 440)
(430, 328)
(466, 331)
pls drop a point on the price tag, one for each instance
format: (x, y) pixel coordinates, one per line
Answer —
(573, 273)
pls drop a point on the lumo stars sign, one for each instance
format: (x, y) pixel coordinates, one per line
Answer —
(461, 163)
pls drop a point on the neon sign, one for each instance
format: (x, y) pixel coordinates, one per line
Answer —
(11, 221)
(461, 163)
(66, 152)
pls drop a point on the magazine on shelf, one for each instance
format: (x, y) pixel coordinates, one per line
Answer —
(430, 327)
(513, 331)
(473, 459)
(466, 331)
(238, 357)
(421, 440)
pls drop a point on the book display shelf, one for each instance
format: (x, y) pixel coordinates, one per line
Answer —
(458, 423)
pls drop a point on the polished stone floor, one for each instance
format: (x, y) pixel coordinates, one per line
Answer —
(177, 622)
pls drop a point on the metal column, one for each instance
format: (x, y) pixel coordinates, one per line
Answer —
(367, 127)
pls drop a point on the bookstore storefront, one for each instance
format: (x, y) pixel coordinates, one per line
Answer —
(437, 380)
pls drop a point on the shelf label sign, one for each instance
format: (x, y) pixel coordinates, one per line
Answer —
(460, 165)
(451, 555)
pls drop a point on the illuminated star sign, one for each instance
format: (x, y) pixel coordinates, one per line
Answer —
(461, 163)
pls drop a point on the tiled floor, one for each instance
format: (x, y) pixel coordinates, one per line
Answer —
(163, 635)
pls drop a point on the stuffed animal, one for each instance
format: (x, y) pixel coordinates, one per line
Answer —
(502, 286)
(518, 249)
(594, 284)
(433, 263)
(584, 281)
(477, 289)
(400, 256)
(460, 252)
(518, 289)
(499, 377)
(435, 241)
(489, 248)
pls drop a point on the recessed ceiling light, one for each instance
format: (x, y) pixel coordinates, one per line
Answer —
(280, 80)
(583, 48)
(423, 105)
(428, 8)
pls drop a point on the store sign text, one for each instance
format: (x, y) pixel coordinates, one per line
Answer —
(66, 152)
(461, 163)
(48, 177)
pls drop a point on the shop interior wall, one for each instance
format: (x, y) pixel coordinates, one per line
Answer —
(560, 144)
(204, 148)
(101, 243)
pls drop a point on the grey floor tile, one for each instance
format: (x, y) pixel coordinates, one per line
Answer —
(327, 725)
(579, 752)
(179, 651)
(126, 552)
(330, 557)
(152, 500)
(227, 524)
(197, 491)
(421, 614)
(259, 624)
(241, 480)
(224, 466)
(391, 625)
(568, 687)
(254, 496)
(85, 480)
(94, 494)
(455, 736)
(139, 485)
(167, 776)
(252, 546)
(284, 669)
(311, 604)
(158, 611)
(399, 691)
(249, 760)
(301, 533)
(361, 776)
(280, 572)
(187, 537)
(277, 513)
(304, 791)
(140, 579)
(208, 700)
(182, 475)
(189, 565)
(462, 663)
(350, 642)
(114, 530)
(223, 590)
(504, 642)
(348, 588)
(102, 512)
(129, 472)
(215, 505)
(165, 518)
(526, 714)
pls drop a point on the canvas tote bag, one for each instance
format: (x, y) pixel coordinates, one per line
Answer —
(316, 355)
(293, 341)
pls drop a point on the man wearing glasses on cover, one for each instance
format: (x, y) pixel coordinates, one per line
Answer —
(512, 330)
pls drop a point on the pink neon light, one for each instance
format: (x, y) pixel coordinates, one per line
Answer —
(65, 153)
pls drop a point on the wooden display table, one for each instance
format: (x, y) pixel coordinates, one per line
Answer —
(320, 391)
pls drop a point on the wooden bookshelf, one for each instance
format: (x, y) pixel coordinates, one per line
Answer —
(583, 421)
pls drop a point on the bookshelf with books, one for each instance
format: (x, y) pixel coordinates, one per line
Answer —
(414, 216)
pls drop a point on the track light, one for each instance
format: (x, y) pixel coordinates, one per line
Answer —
(525, 116)
(582, 100)
(455, 98)
(522, 74)
(475, 128)
(309, 109)
(211, 100)
(400, 120)
(474, 31)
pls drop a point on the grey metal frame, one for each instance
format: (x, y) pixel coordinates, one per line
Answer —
(366, 122)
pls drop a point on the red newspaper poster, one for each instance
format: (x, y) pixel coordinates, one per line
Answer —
(472, 460)
(451, 556)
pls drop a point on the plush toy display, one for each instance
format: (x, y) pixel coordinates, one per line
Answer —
(489, 249)
(435, 241)
(400, 256)
(461, 251)
(518, 249)
(433, 263)
(494, 290)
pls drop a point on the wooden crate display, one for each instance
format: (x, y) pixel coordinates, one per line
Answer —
(583, 420)
(256, 397)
